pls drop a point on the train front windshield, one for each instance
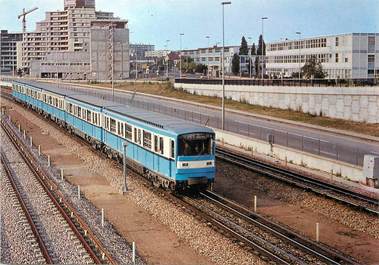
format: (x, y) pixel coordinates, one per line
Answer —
(195, 144)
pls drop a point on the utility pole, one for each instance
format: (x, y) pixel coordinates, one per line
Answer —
(111, 58)
(262, 48)
(223, 65)
(299, 33)
(168, 58)
(180, 55)
(208, 37)
(250, 64)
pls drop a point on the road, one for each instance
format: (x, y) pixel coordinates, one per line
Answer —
(327, 144)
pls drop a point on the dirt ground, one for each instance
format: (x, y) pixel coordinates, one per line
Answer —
(155, 242)
(243, 186)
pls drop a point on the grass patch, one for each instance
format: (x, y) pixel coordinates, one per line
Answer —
(167, 90)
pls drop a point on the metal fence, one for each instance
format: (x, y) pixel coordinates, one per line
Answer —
(283, 82)
(302, 143)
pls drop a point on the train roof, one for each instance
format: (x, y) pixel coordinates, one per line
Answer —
(159, 120)
(176, 125)
(59, 89)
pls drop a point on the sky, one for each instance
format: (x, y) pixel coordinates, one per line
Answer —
(155, 21)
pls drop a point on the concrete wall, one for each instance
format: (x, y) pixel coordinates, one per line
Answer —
(350, 103)
(337, 168)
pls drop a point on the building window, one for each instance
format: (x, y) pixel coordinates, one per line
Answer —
(336, 57)
(371, 44)
(337, 41)
(346, 60)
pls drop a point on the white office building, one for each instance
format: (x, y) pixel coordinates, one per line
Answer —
(211, 57)
(354, 55)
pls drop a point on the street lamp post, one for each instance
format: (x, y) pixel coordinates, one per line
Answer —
(125, 188)
(208, 37)
(263, 18)
(167, 41)
(249, 38)
(223, 66)
(299, 33)
(180, 56)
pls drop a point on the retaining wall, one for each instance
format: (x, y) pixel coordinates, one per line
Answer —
(307, 160)
(350, 103)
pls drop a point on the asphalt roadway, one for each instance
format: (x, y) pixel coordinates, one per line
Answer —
(327, 144)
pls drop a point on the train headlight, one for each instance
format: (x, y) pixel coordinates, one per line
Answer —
(209, 163)
(184, 164)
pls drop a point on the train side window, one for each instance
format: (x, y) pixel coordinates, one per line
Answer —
(128, 131)
(122, 130)
(147, 139)
(139, 136)
(113, 125)
(161, 142)
(89, 116)
(106, 123)
(79, 112)
(156, 143)
(172, 149)
(135, 135)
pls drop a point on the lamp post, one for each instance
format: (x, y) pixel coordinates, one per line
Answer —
(299, 33)
(180, 55)
(263, 19)
(208, 37)
(223, 66)
(249, 38)
(167, 41)
(125, 188)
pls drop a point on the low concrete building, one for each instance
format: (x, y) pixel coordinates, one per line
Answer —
(353, 55)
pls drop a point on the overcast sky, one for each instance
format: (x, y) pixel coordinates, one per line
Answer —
(155, 21)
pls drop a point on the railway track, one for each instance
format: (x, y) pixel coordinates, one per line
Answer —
(306, 251)
(274, 243)
(50, 215)
(337, 193)
(340, 194)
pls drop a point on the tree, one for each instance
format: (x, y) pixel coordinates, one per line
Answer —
(244, 49)
(201, 68)
(261, 46)
(256, 65)
(312, 69)
(188, 65)
(236, 64)
(253, 50)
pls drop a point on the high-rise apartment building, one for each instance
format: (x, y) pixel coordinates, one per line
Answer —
(8, 55)
(69, 31)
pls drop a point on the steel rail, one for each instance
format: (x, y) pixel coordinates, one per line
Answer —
(299, 180)
(328, 255)
(11, 176)
(44, 180)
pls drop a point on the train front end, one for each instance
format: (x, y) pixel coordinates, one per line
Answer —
(195, 163)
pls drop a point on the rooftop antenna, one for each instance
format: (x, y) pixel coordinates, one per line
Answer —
(23, 16)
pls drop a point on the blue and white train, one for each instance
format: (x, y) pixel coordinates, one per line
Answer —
(172, 153)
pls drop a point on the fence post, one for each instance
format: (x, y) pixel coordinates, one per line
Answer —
(134, 252)
(317, 232)
(102, 217)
